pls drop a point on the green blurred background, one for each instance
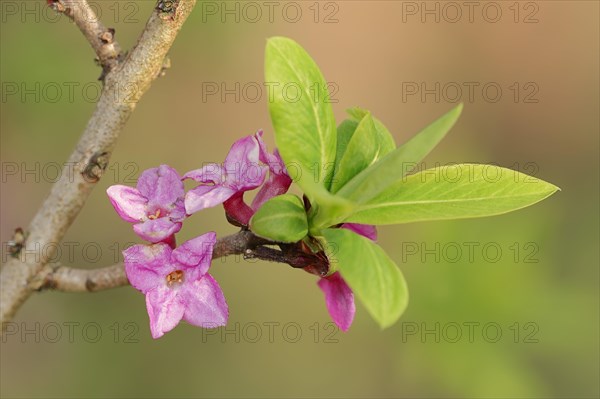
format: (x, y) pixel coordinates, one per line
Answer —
(540, 293)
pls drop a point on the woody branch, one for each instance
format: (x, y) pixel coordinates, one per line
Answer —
(125, 81)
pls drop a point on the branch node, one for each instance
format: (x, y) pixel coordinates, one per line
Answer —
(96, 166)
(167, 8)
(57, 5)
(90, 285)
(17, 243)
(107, 36)
(48, 284)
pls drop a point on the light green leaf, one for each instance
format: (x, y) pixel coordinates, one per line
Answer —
(373, 276)
(453, 192)
(367, 145)
(373, 180)
(281, 219)
(345, 131)
(386, 138)
(328, 211)
(305, 128)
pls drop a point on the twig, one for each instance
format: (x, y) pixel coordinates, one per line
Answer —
(69, 279)
(244, 243)
(123, 88)
(101, 38)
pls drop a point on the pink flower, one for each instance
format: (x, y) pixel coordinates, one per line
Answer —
(177, 284)
(339, 298)
(240, 172)
(244, 169)
(278, 182)
(155, 206)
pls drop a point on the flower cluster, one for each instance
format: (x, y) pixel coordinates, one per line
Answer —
(244, 169)
(175, 279)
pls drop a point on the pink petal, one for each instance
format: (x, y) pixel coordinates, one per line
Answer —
(209, 173)
(147, 265)
(250, 176)
(129, 203)
(165, 309)
(205, 304)
(274, 161)
(339, 300)
(278, 183)
(156, 230)
(365, 230)
(177, 211)
(244, 151)
(276, 164)
(162, 186)
(203, 197)
(196, 254)
(263, 154)
(244, 172)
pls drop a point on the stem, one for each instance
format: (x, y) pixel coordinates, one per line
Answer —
(244, 243)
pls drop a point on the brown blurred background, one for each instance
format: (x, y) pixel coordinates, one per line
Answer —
(522, 322)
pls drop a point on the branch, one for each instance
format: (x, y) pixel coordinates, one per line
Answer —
(123, 88)
(101, 38)
(67, 279)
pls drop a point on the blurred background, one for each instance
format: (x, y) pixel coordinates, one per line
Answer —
(499, 307)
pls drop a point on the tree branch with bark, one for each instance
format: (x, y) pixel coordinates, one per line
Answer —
(126, 79)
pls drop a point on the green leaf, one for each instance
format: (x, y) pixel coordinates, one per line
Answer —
(373, 276)
(365, 147)
(345, 131)
(305, 128)
(328, 211)
(373, 180)
(453, 192)
(281, 219)
(386, 138)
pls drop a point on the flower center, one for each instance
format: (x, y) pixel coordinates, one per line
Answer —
(156, 215)
(175, 277)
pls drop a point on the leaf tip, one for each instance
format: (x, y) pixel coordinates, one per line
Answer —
(455, 112)
(549, 187)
